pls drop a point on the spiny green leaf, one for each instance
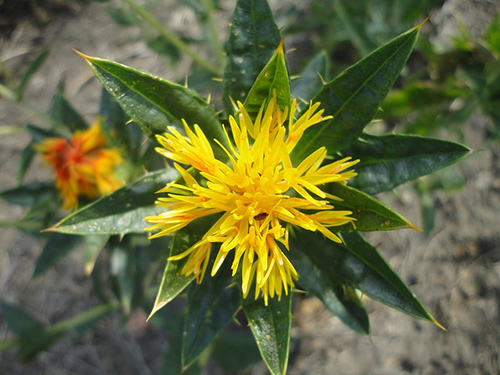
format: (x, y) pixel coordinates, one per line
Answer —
(272, 80)
(310, 80)
(173, 281)
(270, 326)
(94, 244)
(370, 214)
(63, 114)
(153, 102)
(316, 279)
(32, 69)
(118, 130)
(32, 334)
(235, 350)
(211, 306)
(390, 160)
(122, 268)
(355, 96)
(120, 212)
(359, 265)
(57, 247)
(253, 38)
(30, 194)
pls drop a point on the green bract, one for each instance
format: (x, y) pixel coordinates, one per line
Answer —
(334, 273)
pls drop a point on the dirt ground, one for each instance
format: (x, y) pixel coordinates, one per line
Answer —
(455, 270)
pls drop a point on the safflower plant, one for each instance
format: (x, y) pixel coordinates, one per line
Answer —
(270, 194)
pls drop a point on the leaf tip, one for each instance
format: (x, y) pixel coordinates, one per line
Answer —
(83, 56)
(419, 26)
(280, 49)
(433, 320)
(411, 226)
(154, 310)
(51, 229)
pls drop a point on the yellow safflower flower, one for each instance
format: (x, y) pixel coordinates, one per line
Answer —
(260, 193)
(83, 165)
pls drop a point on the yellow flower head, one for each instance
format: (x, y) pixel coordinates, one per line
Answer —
(82, 164)
(260, 193)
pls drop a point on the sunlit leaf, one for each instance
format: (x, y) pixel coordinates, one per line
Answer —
(370, 214)
(359, 265)
(120, 212)
(270, 326)
(390, 160)
(315, 278)
(173, 281)
(354, 97)
(153, 102)
(272, 81)
(253, 38)
(309, 81)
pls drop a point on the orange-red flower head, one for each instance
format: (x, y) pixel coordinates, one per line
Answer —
(83, 165)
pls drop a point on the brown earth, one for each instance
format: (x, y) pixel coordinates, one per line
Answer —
(455, 270)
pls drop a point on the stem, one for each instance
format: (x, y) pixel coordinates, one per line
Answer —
(358, 39)
(172, 38)
(7, 344)
(81, 320)
(11, 95)
(214, 31)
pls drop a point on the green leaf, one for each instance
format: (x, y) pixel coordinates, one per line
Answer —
(310, 82)
(30, 194)
(119, 131)
(27, 156)
(38, 135)
(33, 335)
(120, 212)
(273, 79)
(94, 244)
(153, 102)
(354, 97)
(390, 160)
(211, 306)
(172, 322)
(122, 17)
(317, 277)
(359, 265)
(407, 301)
(235, 350)
(122, 268)
(370, 214)
(253, 38)
(57, 247)
(63, 114)
(270, 326)
(34, 66)
(173, 281)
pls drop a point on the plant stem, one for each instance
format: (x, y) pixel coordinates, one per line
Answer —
(358, 38)
(213, 30)
(84, 320)
(11, 95)
(172, 38)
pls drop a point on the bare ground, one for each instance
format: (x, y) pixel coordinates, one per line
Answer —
(455, 270)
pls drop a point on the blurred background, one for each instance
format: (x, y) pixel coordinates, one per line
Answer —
(450, 89)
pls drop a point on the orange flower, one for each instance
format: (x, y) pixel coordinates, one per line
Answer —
(83, 166)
